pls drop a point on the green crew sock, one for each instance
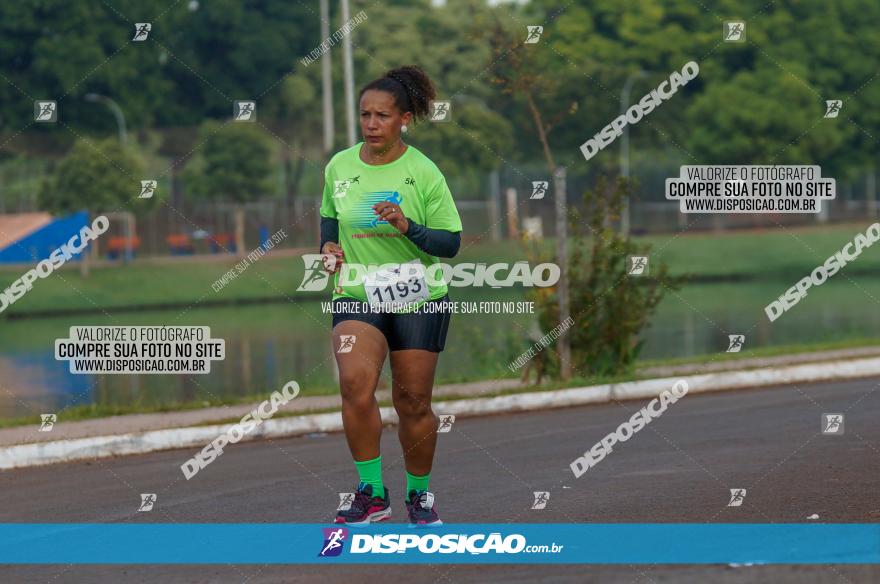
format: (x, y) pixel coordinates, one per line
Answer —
(417, 483)
(370, 472)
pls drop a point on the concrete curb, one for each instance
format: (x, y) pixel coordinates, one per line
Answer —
(43, 453)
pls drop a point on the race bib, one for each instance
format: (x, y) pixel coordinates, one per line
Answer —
(399, 286)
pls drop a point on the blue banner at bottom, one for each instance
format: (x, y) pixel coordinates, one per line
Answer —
(468, 543)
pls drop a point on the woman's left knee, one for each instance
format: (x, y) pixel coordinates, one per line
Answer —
(411, 407)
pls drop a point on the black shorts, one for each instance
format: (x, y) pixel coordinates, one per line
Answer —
(424, 328)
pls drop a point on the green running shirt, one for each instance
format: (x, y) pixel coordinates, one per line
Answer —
(352, 187)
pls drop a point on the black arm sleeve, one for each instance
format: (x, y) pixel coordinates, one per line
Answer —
(436, 242)
(329, 231)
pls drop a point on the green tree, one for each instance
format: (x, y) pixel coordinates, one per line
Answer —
(294, 118)
(233, 165)
(520, 70)
(228, 50)
(99, 178)
(62, 52)
(197, 61)
(609, 306)
(531, 76)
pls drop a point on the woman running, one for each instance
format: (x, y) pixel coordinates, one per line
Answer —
(385, 202)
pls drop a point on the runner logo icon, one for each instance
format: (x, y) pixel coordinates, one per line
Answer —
(637, 265)
(334, 541)
(539, 189)
(45, 111)
(446, 423)
(346, 343)
(340, 188)
(147, 501)
(541, 499)
(47, 421)
(734, 31)
(737, 496)
(148, 189)
(315, 276)
(735, 343)
(832, 424)
(534, 34)
(345, 501)
(832, 107)
(439, 111)
(245, 111)
(142, 31)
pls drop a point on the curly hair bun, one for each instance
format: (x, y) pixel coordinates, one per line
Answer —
(411, 87)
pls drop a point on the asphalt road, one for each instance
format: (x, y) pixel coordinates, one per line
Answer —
(679, 468)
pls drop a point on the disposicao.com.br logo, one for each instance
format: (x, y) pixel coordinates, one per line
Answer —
(432, 543)
(464, 274)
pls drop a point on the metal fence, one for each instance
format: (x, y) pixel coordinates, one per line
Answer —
(492, 206)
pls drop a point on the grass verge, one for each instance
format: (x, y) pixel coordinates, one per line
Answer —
(93, 411)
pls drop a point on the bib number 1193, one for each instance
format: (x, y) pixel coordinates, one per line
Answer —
(401, 287)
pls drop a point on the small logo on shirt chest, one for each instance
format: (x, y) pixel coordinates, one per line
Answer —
(340, 187)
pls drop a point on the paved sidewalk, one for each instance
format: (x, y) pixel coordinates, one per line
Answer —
(754, 363)
(135, 423)
(162, 420)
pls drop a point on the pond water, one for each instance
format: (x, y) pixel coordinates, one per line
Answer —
(270, 344)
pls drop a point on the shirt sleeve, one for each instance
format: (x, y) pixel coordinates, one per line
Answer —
(328, 209)
(436, 242)
(329, 232)
(440, 210)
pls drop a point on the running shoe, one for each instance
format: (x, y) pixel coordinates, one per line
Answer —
(365, 508)
(420, 508)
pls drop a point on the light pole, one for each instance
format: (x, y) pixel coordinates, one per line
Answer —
(624, 145)
(128, 220)
(348, 73)
(117, 111)
(562, 291)
(326, 82)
